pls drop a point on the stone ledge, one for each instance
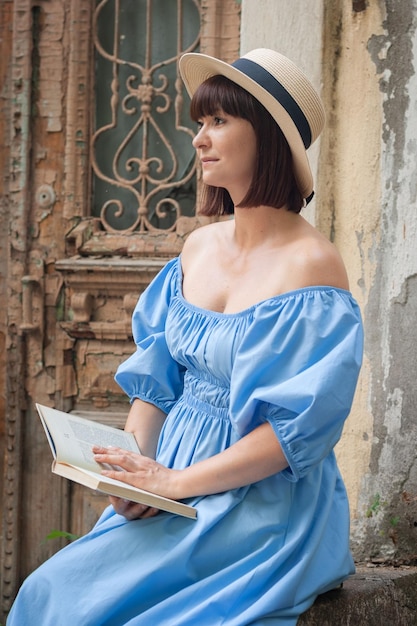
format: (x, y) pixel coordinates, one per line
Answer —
(380, 596)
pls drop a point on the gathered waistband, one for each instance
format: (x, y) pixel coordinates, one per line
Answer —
(207, 395)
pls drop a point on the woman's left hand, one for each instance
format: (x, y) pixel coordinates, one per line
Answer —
(132, 510)
(137, 470)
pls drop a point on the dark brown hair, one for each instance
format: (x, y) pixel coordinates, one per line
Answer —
(273, 183)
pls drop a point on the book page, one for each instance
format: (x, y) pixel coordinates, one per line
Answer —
(71, 437)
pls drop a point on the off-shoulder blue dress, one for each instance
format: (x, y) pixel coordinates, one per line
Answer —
(256, 555)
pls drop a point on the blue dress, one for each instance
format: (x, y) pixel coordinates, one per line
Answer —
(256, 555)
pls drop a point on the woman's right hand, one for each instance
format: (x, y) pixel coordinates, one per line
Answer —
(132, 510)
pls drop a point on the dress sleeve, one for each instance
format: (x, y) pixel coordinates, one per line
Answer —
(297, 368)
(151, 373)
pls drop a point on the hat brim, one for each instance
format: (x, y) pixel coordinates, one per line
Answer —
(195, 68)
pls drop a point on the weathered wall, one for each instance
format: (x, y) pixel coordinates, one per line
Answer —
(286, 26)
(364, 55)
(5, 47)
(368, 186)
(350, 185)
(350, 189)
(389, 488)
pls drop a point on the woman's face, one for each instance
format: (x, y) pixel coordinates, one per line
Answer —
(226, 147)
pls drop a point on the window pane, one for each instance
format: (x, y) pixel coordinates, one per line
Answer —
(143, 160)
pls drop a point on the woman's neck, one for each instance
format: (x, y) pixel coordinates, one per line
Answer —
(263, 225)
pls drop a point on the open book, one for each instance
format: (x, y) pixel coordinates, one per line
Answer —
(71, 439)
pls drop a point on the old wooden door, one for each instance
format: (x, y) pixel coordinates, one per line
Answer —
(101, 193)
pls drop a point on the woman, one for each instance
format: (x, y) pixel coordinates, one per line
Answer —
(248, 351)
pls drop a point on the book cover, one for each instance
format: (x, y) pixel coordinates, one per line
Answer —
(71, 438)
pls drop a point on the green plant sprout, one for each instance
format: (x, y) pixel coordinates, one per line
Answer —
(61, 534)
(375, 506)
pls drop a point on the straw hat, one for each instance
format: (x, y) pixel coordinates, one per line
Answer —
(283, 90)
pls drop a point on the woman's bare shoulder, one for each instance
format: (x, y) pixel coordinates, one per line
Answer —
(201, 241)
(318, 262)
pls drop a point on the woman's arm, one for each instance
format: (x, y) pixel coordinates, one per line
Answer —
(145, 421)
(252, 458)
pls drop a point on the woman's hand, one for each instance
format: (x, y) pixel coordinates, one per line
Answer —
(139, 471)
(132, 510)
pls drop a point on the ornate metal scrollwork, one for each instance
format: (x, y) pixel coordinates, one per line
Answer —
(142, 164)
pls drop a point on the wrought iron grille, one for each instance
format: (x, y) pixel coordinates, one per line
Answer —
(143, 161)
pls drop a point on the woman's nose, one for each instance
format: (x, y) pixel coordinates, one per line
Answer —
(200, 138)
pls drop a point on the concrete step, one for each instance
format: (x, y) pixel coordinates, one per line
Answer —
(376, 596)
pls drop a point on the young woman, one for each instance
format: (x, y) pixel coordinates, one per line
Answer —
(248, 351)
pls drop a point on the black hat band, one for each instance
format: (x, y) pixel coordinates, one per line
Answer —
(274, 87)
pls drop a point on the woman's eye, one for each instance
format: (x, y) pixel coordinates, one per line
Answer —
(216, 120)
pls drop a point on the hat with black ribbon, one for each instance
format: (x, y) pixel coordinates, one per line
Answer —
(282, 88)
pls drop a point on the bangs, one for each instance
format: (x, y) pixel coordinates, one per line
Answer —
(218, 93)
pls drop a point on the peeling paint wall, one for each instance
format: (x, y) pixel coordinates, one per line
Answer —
(392, 298)
(366, 203)
(350, 190)
(5, 45)
(370, 193)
